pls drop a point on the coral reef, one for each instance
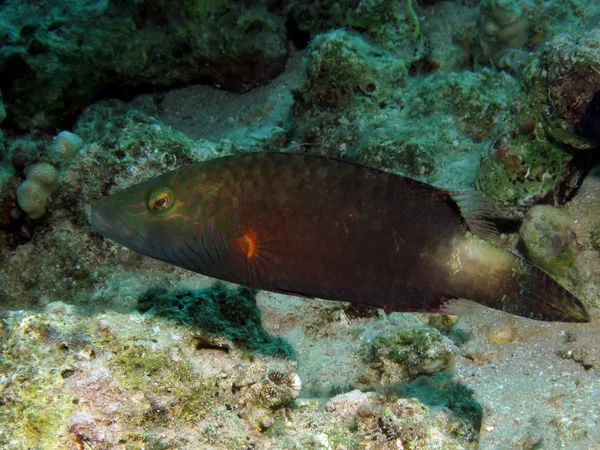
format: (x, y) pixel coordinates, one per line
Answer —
(45, 63)
(392, 24)
(562, 79)
(91, 358)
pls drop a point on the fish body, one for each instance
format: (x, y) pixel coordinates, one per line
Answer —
(322, 227)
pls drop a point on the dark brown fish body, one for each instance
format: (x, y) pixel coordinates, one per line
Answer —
(320, 227)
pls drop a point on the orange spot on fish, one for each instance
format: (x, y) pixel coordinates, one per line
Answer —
(248, 242)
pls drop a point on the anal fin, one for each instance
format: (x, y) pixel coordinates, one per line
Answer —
(459, 307)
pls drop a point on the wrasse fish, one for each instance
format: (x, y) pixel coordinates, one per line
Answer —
(320, 227)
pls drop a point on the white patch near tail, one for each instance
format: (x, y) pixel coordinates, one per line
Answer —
(460, 307)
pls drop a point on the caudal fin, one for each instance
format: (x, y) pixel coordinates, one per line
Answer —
(542, 298)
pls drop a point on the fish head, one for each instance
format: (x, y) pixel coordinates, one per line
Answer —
(165, 218)
(139, 215)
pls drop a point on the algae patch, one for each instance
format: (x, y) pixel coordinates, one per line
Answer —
(231, 314)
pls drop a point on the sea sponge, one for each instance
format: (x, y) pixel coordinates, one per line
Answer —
(64, 146)
(32, 195)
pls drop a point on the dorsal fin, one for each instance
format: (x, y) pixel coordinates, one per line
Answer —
(478, 212)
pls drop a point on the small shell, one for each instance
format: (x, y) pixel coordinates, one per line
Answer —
(295, 383)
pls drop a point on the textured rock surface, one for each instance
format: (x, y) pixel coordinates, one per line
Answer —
(58, 56)
(131, 381)
(548, 234)
(409, 353)
(562, 79)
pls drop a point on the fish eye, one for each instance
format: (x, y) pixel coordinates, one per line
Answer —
(161, 201)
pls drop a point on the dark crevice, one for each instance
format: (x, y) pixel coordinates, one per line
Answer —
(299, 38)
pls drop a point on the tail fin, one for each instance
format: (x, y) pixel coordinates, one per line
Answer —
(539, 297)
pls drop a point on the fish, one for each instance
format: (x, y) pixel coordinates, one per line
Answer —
(321, 227)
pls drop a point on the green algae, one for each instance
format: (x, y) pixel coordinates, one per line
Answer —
(232, 314)
(440, 391)
(522, 170)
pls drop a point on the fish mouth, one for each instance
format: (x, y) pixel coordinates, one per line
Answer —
(112, 227)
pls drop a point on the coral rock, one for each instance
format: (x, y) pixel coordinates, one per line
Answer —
(548, 235)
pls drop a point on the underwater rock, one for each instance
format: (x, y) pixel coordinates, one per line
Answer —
(32, 195)
(392, 24)
(437, 135)
(562, 79)
(110, 379)
(342, 66)
(57, 60)
(427, 419)
(550, 240)
(61, 258)
(589, 124)
(449, 31)
(409, 353)
(442, 322)
(25, 151)
(522, 169)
